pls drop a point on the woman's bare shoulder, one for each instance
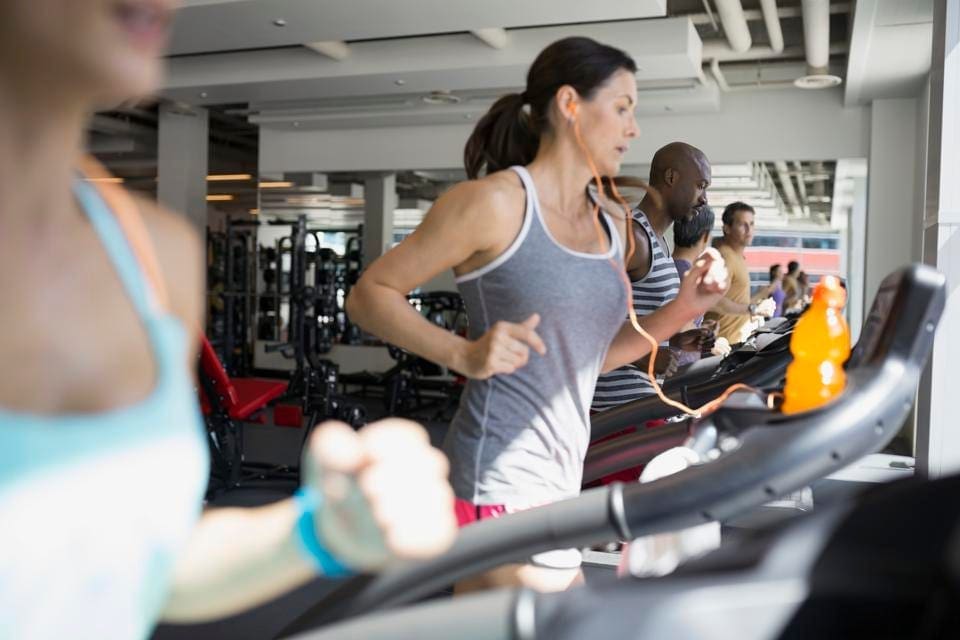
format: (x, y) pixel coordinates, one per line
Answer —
(498, 192)
(179, 251)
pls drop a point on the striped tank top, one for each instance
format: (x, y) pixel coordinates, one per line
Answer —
(519, 440)
(651, 292)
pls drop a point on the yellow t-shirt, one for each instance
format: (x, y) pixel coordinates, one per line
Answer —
(739, 292)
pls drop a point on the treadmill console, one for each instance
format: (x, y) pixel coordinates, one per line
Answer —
(874, 322)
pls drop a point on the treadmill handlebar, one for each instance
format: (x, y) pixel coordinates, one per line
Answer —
(575, 522)
(773, 454)
(763, 369)
(772, 457)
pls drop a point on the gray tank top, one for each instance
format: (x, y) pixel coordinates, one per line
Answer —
(658, 287)
(519, 440)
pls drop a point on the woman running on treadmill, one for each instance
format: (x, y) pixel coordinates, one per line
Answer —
(545, 304)
(103, 458)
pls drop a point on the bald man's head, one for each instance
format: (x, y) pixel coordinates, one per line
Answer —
(678, 156)
(681, 173)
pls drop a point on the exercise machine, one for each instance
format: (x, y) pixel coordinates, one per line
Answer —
(755, 455)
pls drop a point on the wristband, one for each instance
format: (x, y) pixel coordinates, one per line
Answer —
(308, 501)
(752, 309)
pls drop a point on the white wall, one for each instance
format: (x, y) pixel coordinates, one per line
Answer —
(923, 133)
(857, 246)
(938, 438)
(891, 194)
(760, 125)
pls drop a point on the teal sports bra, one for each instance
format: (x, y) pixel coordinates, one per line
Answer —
(95, 508)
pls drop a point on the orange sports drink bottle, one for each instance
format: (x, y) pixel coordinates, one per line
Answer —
(820, 345)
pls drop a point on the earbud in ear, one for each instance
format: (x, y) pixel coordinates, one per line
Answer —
(572, 113)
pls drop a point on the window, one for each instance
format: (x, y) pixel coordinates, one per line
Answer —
(820, 243)
(336, 240)
(399, 235)
(775, 241)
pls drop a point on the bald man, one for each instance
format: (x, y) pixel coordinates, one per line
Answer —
(681, 174)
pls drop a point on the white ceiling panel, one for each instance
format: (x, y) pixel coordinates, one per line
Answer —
(411, 110)
(890, 49)
(665, 49)
(900, 12)
(229, 25)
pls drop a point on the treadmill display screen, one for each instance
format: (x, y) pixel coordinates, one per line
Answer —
(874, 323)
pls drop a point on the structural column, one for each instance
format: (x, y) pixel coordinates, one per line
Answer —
(380, 197)
(938, 421)
(856, 258)
(182, 162)
(891, 190)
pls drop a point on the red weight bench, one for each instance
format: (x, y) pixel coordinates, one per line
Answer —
(224, 401)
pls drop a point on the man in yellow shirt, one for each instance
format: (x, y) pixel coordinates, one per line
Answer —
(734, 310)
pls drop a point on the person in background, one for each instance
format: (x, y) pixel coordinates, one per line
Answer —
(680, 176)
(734, 311)
(773, 290)
(803, 290)
(790, 287)
(691, 236)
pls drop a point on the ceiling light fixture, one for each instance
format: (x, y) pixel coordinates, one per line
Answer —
(279, 22)
(219, 197)
(817, 81)
(334, 49)
(441, 97)
(275, 185)
(228, 177)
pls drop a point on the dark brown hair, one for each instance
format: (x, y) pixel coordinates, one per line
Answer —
(688, 231)
(730, 213)
(509, 133)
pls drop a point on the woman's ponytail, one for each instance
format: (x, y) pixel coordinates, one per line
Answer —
(504, 136)
(510, 132)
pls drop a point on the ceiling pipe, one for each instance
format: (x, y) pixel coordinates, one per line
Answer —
(722, 52)
(753, 15)
(766, 181)
(772, 20)
(787, 184)
(802, 186)
(718, 75)
(816, 35)
(819, 187)
(710, 18)
(735, 24)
